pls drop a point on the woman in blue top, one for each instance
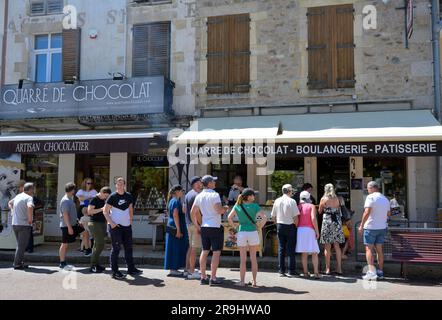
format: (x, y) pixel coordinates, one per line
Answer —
(247, 212)
(176, 245)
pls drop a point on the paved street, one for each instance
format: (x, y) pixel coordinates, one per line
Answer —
(154, 284)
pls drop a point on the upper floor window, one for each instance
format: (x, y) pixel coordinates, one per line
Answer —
(43, 7)
(151, 50)
(47, 57)
(228, 54)
(330, 47)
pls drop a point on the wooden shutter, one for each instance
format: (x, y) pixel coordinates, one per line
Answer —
(319, 58)
(218, 54)
(37, 7)
(151, 50)
(54, 6)
(345, 77)
(330, 47)
(239, 64)
(71, 53)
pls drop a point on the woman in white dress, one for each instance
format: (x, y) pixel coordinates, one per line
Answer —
(308, 234)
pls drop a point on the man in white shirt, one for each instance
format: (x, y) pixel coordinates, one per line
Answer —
(23, 208)
(208, 204)
(285, 214)
(374, 227)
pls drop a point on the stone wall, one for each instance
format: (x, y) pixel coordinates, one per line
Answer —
(384, 69)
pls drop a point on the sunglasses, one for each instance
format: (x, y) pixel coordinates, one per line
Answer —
(88, 182)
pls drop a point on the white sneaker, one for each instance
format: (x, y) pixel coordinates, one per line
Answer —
(193, 276)
(370, 276)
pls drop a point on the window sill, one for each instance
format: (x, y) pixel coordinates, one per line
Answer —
(227, 96)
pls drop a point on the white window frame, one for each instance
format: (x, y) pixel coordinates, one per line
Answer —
(49, 51)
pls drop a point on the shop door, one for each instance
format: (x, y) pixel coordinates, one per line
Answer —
(337, 172)
(96, 167)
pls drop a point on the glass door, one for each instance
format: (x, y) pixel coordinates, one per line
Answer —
(337, 172)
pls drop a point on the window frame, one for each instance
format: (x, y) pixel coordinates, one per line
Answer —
(49, 52)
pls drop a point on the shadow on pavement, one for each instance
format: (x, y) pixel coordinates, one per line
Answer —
(141, 281)
(40, 270)
(412, 282)
(325, 278)
(260, 289)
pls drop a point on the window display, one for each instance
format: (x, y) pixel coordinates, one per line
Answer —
(391, 175)
(286, 171)
(42, 170)
(148, 182)
(226, 173)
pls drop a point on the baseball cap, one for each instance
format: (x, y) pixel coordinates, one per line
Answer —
(305, 195)
(194, 180)
(248, 192)
(208, 179)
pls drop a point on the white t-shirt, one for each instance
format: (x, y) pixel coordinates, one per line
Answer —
(285, 209)
(380, 205)
(88, 195)
(206, 201)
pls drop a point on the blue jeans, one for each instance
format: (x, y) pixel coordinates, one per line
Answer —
(372, 237)
(121, 236)
(287, 246)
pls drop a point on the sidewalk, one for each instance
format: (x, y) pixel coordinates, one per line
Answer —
(144, 255)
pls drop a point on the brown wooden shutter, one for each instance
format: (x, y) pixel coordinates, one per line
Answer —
(239, 64)
(71, 53)
(139, 51)
(345, 77)
(319, 55)
(151, 50)
(217, 54)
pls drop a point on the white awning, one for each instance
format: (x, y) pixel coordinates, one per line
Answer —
(79, 136)
(410, 125)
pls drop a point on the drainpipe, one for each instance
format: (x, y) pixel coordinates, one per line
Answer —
(4, 43)
(436, 27)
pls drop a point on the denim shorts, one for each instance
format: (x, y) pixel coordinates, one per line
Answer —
(374, 236)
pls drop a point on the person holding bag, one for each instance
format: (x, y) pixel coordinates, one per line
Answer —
(177, 239)
(247, 212)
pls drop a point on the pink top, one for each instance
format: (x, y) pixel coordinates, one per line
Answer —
(305, 215)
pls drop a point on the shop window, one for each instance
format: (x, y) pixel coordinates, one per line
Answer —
(226, 173)
(149, 182)
(286, 171)
(42, 170)
(47, 57)
(391, 175)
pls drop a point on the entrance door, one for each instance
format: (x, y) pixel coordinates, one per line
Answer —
(93, 166)
(337, 172)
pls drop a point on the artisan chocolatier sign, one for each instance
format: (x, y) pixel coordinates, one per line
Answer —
(380, 149)
(138, 145)
(144, 95)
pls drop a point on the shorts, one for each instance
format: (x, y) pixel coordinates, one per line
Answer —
(68, 238)
(84, 221)
(212, 238)
(374, 236)
(194, 237)
(247, 238)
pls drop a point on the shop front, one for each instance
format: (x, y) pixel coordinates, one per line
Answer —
(398, 149)
(139, 157)
(98, 129)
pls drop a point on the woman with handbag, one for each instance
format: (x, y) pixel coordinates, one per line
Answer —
(251, 218)
(331, 231)
(177, 239)
(308, 234)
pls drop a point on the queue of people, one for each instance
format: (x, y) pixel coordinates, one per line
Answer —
(196, 224)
